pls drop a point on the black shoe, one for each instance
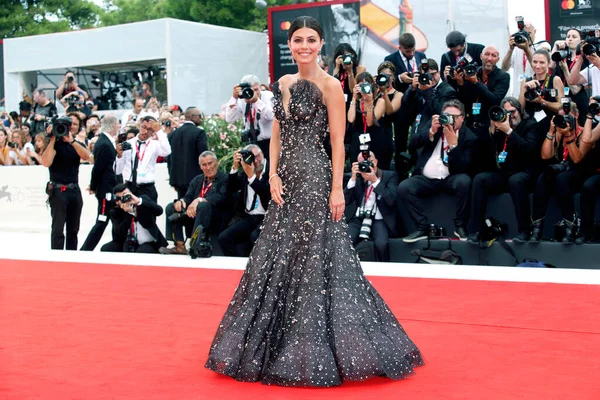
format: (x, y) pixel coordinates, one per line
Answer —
(537, 228)
(415, 237)
(583, 239)
(522, 237)
(461, 233)
(570, 232)
(474, 238)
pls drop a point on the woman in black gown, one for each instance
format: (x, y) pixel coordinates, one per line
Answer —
(303, 313)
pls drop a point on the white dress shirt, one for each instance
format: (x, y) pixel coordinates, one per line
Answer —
(112, 139)
(148, 153)
(371, 200)
(435, 168)
(256, 208)
(413, 62)
(142, 234)
(592, 73)
(264, 106)
(125, 117)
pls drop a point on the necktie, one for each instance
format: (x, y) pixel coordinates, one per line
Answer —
(252, 135)
(135, 163)
(409, 65)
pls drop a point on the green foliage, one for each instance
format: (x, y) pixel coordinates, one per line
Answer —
(34, 17)
(223, 139)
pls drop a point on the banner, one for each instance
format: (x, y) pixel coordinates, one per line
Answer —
(562, 15)
(339, 19)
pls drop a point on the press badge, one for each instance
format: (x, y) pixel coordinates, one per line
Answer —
(345, 97)
(476, 108)
(102, 218)
(566, 90)
(502, 157)
(445, 158)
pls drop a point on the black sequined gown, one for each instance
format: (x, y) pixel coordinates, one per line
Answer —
(303, 313)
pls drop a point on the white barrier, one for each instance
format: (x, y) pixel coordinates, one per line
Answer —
(23, 200)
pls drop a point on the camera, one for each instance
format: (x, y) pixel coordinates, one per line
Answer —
(498, 114)
(60, 126)
(365, 150)
(167, 123)
(247, 156)
(382, 80)
(176, 216)
(521, 36)
(560, 55)
(562, 166)
(12, 145)
(592, 43)
(249, 137)
(125, 145)
(347, 59)
(446, 119)
(532, 94)
(366, 88)
(425, 77)
(436, 231)
(247, 92)
(594, 108)
(367, 223)
(200, 246)
(126, 198)
(462, 63)
(492, 230)
(70, 78)
(564, 121)
(365, 166)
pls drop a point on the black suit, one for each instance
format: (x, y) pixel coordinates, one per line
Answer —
(458, 182)
(243, 230)
(487, 95)
(207, 212)
(102, 182)
(187, 143)
(146, 214)
(396, 59)
(448, 58)
(385, 193)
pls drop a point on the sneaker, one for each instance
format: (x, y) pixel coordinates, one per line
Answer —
(474, 238)
(415, 237)
(461, 233)
(522, 237)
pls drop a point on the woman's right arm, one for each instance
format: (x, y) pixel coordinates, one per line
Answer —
(49, 153)
(548, 145)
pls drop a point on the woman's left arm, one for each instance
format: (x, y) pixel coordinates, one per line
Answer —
(334, 100)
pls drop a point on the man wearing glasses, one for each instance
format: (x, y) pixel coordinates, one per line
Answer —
(443, 166)
(517, 144)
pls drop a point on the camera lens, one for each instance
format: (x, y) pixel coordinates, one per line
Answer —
(589, 49)
(382, 80)
(497, 114)
(445, 119)
(365, 87)
(347, 59)
(558, 56)
(560, 121)
(425, 79)
(470, 70)
(594, 109)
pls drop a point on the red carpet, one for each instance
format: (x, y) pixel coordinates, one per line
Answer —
(82, 331)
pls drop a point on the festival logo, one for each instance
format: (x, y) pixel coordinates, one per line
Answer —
(575, 8)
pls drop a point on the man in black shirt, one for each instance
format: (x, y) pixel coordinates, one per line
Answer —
(62, 157)
(516, 145)
(43, 111)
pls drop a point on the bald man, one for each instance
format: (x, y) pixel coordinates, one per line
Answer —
(479, 93)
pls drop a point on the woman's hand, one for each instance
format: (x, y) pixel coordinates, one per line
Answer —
(277, 190)
(337, 204)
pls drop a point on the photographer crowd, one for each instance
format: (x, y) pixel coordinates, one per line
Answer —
(416, 128)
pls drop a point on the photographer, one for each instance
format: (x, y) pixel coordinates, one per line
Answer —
(68, 85)
(479, 90)
(406, 61)
(346, 68)
(134, 223)
(565, 175)
(591, 187)
(200, 206)
(92, 126)
(73, 101)
(459, 49)
(591, 74)
(43, 111)
(253, 191)
(521, 46)
(132, 116)
(136, 160)
(392, 98)
(103, 178)
(443, 165)
(541, 94)
(365, 114)
(62, 158)
(515, 144)
(256, 107)
(371, 200)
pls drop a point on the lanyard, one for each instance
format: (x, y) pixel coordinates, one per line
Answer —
(364, 116)
(565, 145)
(204, 188)
(137, 151)
(368, 193)
(505, 142)
(103, 206)
(524, 61)
(573, 62)
(132, 227)
(542, 86)
(343, 80)
(251, 116)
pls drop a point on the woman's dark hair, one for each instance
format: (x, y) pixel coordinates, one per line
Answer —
(386, 65)
(343, 48)
(305, 22)
(367, 77)
(543, 52)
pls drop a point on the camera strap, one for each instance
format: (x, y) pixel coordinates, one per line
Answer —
(132, 228)
(364, 116)
(205, 188)
(343, 80)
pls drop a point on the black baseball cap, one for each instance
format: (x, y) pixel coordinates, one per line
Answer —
(455, 38)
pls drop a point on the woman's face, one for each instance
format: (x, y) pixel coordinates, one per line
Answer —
(16, 138)
(74, 125)
(539, 64)
(3, 138)
(305, 45)
(573, 39)
(25, 129)
(39, 143)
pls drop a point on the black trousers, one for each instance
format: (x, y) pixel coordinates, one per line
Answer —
(118, 247)
(413, 189)
(181, 190)
(379, 234)
(264, 146)
(239, 237)
(519, 185)
(95, 235)
(564, 185)
(65, 208)
(149, 189)
(589, 192)
(174, 230)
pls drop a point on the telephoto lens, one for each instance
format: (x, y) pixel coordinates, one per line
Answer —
(382, 79)
(594, 109)
(497, 114)
(558, 56)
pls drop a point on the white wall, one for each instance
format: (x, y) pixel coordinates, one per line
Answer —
(27, 211)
